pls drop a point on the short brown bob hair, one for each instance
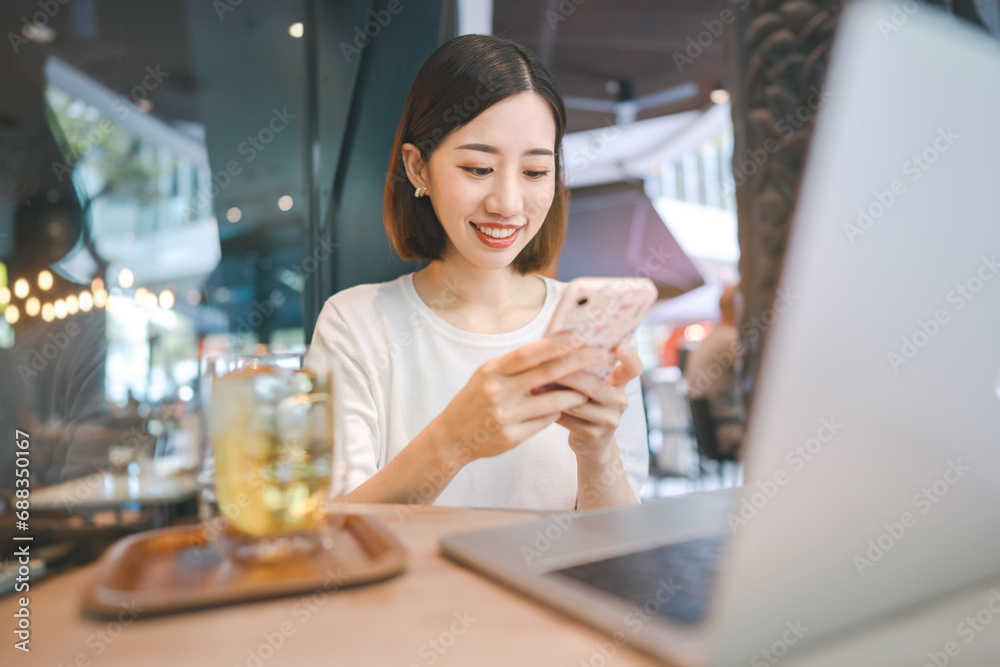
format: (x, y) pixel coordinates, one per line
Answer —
(461, 79)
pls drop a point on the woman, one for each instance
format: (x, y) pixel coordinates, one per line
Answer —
(440, 366)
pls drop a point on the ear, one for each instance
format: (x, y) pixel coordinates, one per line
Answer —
(416, 168)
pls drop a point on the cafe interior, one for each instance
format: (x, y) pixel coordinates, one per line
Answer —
(184, 184)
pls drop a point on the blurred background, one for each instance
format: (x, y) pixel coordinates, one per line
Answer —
(179, 178)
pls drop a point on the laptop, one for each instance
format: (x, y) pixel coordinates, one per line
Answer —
(873, 444)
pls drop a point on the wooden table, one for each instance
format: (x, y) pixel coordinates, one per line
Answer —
(437, 613)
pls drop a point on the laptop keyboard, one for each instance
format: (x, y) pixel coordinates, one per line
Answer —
(673, 580)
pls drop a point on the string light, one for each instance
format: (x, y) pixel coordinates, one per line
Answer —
(72, 305)
(100, 298)
(32, 307)
(12, 314)
(45, 281)
(125, 278)
(61, 310)
(166, 299)
(4, 296)
(86, 301)
(21, 288)
(96, 284)
(48, 312)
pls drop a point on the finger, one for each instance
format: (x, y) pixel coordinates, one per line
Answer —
(548, 403)
(595, 416)
(629, 368)
(578, 426)
(555, 370)
(591, 386)
(533, 354)
(526, 429)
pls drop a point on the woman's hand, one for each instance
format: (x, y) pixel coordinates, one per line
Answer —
(497, 409)
(592, 425)
(600, 474)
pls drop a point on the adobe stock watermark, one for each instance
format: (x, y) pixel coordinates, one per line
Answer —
(959, 297)
(559, 523)
(925, 500)
(584, 156)
(752, 331)
(122, 106)
(432, 650)
(55, 343)
(223, 7)
(38, 25)
(563, 11)
(377, 21)
(436, 480)
(417, 321)
(714, 28)
(787, 125)
(101, 639)
(898, 17)
(792, 635)
(635, 620)
(249, 149)
(968, 629)
(914, 168)
(303, 610)
(797, 457)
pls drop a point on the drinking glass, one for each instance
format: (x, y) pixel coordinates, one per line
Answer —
(274, 437)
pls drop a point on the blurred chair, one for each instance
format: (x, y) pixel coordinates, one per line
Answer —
(671, 445)
(704, 426)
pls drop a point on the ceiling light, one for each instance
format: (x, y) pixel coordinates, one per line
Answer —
(234, 214)
(285, 202)
(296, 30)
(719, 96)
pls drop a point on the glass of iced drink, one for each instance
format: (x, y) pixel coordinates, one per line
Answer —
(274, 437)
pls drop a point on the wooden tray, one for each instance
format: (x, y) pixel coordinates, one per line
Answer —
(174, 569)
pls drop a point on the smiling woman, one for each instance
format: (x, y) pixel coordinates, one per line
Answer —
(442, 367)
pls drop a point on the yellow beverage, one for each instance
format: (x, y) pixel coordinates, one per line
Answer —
(272, 436)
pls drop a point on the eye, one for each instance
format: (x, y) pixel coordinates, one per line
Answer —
(478, 171)
(536, 174)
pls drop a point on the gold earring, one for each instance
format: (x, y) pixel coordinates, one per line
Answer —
(420, 192)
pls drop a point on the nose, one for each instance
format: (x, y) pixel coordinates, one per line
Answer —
(505, 198)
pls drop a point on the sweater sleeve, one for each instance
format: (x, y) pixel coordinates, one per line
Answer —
(359, 419)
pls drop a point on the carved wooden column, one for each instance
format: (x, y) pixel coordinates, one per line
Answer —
(776, 60)
(776, 57)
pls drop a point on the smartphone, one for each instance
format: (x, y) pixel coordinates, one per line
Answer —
(602, 312)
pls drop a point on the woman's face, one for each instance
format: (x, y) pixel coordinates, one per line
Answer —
(492, 181)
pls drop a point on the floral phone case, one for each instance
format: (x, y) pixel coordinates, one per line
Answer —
(602, 312)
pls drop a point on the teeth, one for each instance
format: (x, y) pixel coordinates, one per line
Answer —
(496, 232)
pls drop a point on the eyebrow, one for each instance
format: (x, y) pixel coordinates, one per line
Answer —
(486, 148)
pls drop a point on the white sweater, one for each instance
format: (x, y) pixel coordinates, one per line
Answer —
(402, 365)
